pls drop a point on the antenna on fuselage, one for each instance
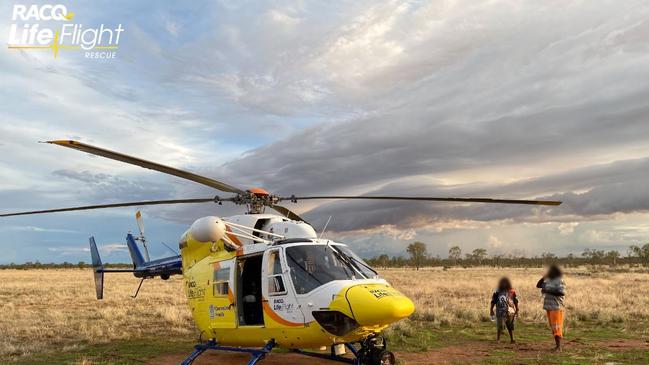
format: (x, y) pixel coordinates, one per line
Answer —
(324, 228)
(170, 249)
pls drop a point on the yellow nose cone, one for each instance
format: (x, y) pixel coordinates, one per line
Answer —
(378, 304)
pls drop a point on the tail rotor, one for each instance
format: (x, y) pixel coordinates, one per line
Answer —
(141, 238)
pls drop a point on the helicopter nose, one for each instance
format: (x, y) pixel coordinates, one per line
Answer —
(374, 305)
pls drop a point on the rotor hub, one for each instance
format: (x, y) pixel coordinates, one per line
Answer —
(256, 200)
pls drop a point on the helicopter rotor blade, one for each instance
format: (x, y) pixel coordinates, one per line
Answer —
(287, 213)
(148, 165)
(426, 198)
(117, 205)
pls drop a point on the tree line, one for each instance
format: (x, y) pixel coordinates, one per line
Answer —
(65, 265)
(418, 256)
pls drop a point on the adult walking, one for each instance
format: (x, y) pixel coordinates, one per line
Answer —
(553, 289)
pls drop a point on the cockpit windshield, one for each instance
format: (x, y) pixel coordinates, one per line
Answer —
(315, 265)
(358, 262)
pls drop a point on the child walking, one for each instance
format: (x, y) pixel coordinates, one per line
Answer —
(506, 303)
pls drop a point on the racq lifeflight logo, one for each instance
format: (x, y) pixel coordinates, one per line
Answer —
(51, 27)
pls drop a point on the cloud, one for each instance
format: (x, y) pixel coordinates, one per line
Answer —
(104, 187)
(567, 228)
(525, 100)
(107, 249)
(113, 247)
(447, 107)
(68, 251)
(37, 229)
(495, 242)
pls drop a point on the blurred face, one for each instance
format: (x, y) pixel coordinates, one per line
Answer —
(554, 272)
(503, 284)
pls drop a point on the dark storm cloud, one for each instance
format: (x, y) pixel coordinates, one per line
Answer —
(410, 142)
(620, 187)
(101, 187)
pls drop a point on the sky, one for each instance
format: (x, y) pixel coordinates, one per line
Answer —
(503, 99)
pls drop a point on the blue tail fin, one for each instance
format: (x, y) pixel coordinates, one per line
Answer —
(136, 254)
(98, 268)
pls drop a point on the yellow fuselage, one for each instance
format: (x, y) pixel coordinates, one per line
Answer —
(213, 276)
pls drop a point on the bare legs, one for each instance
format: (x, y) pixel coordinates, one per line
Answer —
(511, 334)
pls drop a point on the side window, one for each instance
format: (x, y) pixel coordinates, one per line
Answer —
(275, 278)
(221, 281)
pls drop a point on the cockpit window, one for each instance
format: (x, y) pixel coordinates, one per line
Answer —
(315, 265)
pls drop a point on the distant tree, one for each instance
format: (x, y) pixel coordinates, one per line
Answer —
(383, 260)
(417, 251)
(454, 254)
(598, 256)
(594, 256)
(548, 257)
(479, 254)
(641, 252)
(612, 257)
(497, 259)
(630, 252)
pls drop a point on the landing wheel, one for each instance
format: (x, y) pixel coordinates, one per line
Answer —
(374, 352)
(383, 357)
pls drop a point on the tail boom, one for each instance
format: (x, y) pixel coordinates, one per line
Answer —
(145, 269)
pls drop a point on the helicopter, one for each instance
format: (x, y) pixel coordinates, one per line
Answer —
(259, 281)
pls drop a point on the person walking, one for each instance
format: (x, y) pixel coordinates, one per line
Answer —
(505, 301)
(553, 289)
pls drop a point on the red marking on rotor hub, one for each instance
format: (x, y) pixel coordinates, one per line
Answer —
(258, 191)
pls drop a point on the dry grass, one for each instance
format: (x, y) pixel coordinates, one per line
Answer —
(58, 308)
(461, 295)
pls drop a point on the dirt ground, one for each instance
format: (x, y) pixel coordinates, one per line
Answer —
(465, 354)
(448, 355)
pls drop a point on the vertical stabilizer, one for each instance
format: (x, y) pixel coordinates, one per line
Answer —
(136, 254)
(98, 268)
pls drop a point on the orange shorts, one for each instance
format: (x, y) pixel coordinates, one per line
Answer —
(555, 318)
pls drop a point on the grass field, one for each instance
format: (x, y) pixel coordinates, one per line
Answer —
(52, 317)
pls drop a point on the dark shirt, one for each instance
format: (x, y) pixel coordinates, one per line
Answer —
(503, 300)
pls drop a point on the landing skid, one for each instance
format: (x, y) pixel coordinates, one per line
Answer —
(256, 354)
(370, 353)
